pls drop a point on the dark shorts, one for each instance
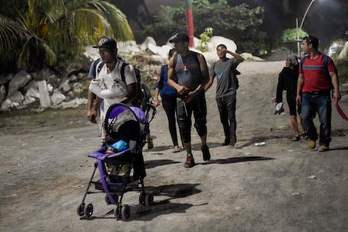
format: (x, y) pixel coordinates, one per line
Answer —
(198, 107)
(292, 106)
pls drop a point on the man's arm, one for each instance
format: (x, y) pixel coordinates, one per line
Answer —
(238, 57)
(171, 73)
(336, 90)
(299, 88)
(131, 93)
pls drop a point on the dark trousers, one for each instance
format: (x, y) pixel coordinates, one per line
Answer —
(227, 110)
(311, 105)
(169, 106)
(184, 112)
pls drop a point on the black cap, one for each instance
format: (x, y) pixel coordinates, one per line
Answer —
(179, 37)
(106, 42)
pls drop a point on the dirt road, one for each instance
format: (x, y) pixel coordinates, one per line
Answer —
(277, 187)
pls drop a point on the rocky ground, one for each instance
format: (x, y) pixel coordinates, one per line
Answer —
(280, 186)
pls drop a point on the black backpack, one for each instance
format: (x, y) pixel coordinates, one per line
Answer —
(143, 97)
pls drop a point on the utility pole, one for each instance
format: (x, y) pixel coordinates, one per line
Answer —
(189, 22)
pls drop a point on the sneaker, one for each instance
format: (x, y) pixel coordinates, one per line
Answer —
(296, 138)
(205, 152)
(176, 149)
(323, 148)
(311, 144)
(190, 162)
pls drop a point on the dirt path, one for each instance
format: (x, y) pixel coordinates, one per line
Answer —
(277, 187)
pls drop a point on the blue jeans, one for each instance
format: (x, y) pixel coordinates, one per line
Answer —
(311, 105)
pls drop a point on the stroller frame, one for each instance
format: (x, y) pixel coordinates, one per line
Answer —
(115, 190)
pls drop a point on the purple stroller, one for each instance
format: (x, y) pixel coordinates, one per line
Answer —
(129, 125)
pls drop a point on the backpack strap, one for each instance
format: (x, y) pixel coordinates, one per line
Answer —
(123, 76)
(99, 66)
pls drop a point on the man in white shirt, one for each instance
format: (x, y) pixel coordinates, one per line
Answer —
(115, 80)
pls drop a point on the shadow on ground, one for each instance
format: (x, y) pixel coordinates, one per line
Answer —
(156, 163)
(162, 207)
(232, 160)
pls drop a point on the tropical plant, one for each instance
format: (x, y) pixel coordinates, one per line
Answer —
(204, 39)
(57, 30)
(293, 34)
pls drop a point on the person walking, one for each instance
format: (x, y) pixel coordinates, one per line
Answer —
(316, 80)
(225, 72)
(168, 98)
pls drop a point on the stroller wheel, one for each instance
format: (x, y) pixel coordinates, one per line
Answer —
(81, 209)
(142, 197)
(125, 212)
(89, 210)
(148, 200)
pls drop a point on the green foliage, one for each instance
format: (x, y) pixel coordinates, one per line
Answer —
(293, 34)
(240, 23)
(57, 30)
(205, 37)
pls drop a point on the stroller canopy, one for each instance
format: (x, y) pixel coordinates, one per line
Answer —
(124, 122)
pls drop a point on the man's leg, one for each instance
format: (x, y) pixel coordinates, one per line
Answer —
(224, 119)
(199, 108)
(231, 110)
(184, 113)
(323, 105)
(308, 113)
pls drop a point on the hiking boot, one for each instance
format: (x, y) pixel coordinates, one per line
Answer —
(323, 148)
(205, 152)
(190, 162)
(311, 144)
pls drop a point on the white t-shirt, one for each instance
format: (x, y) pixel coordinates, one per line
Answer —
(109, 86)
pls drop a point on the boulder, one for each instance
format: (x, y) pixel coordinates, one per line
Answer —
(250, 57)
(45, 100)
(33, 90)
(57, 97)
(77, 88)
(343, 55)
(148, 41)
(19, 81)
(28, 100)
(216, 40)
(8, 104)
(73, 103)
(65, 86)
(128, 47)
(16, 97)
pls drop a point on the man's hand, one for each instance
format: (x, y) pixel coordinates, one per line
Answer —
(92, 116)
(336, 97)
(182, 90)
(298, 100)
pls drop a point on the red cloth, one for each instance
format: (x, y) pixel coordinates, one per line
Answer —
(315, 74)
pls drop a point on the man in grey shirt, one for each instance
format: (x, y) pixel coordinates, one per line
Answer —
(226, 89)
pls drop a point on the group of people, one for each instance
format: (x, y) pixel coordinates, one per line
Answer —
(186, 77)
(311, 85)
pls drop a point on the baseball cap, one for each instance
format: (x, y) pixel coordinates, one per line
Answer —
(179, 37)
(106, 42)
